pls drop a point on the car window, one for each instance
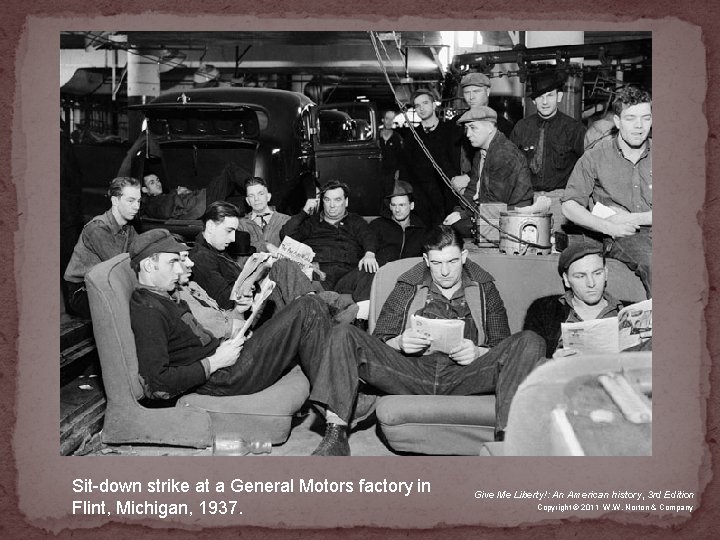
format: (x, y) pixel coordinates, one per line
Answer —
(348, 123)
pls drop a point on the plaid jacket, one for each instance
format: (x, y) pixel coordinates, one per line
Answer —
(490, 315)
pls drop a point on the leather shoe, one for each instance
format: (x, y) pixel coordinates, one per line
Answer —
(334, 443)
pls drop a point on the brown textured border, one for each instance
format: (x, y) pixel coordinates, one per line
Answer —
(678, 449)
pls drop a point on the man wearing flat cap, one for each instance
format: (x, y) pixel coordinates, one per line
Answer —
(584, 273)
(551, 140)
(442, 139)
(499, 173)
(176, 354)
(400, 232)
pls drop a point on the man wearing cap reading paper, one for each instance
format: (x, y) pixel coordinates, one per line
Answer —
(499, 173)
(176, 354)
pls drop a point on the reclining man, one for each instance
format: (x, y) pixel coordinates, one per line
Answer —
(176, 354)
(104, 237)
(582, 268)
(343, 243)
(616, 174)
(396, 358)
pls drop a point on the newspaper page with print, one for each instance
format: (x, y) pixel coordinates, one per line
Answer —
(630, 328)
(446, 334)
(298, 252)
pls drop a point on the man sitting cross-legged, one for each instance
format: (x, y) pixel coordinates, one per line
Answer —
(395, 359)
(176, 354)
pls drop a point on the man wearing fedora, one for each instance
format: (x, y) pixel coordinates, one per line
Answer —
(176, 354)
(551, 140)
(499, 173)
(400, 232)
(442, 140)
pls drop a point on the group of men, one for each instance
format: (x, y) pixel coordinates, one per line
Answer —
(185, 320)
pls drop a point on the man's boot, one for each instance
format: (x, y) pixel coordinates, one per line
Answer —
(334, 443)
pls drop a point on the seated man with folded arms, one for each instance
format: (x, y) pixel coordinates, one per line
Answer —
(102, 238)
(610, 189)
(343, 243)
(176, 354)
(263, 223)
(445, 285)
(583, 271)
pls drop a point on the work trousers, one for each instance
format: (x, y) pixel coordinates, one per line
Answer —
(296, 334)
(500, 370)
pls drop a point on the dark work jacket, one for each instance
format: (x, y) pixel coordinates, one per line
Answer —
(214, 271)
(345, 242)
(395, 243)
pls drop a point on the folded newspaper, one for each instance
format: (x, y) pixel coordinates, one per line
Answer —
(631, 327)
(445, 334)
(298, 252)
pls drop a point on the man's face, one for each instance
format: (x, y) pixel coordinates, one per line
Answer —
(166, 271)
(388, 120)
(586, 279)
(547, 104)
(334, 203)
(446, 265)
(258, 198)
(153, 185)
(187, 265)
(400, 206)
(424, 106)
(221, 234)
(478, 132)
(127, 204)
(634, 124)
(476, 96)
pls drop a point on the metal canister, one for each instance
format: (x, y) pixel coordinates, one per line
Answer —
(525, 234)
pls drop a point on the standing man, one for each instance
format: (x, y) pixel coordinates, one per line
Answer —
(445, 285)
(442, 140)
(103, 237)
(391, 149)
(400, 233)
(176, 354)
(616, 174)
(264, 222)
(499, 173)
(343, 243)
(551, 140)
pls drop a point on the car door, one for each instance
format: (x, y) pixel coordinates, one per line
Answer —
(346, 149)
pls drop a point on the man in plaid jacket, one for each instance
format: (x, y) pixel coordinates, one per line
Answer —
(397, 359)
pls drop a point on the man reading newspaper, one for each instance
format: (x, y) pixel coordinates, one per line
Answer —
(398, 360)
(593, 320)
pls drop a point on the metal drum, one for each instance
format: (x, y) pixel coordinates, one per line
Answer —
(517, 228)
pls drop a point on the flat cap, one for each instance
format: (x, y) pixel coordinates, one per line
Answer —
(575, 252)
(154, 241)
(475, 114)
(475, 79)
(400, 188)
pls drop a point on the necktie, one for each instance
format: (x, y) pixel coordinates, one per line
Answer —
(263, 220)
(536, 163)
(483, 154)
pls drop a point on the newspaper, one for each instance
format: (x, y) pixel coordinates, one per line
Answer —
(631, 327)
(446, 334)
(296, 251)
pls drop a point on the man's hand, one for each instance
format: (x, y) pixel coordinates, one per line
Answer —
(368, 263)
(411, 342)
(562, 353)
(460, 182)
(311, 206)
(618, 226)
(453, 217)
(226, 354)
(466, 353)
(182, 189)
